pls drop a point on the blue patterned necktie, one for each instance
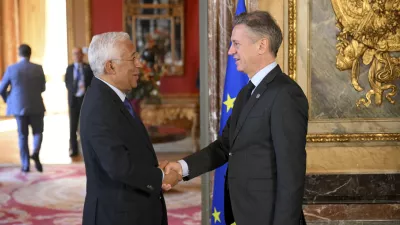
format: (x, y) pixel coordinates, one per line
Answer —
(78, 76)
(129, 107)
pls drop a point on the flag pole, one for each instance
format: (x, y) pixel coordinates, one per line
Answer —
(204, 107)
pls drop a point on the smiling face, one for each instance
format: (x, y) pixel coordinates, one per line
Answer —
(244, 49)
(124, 68)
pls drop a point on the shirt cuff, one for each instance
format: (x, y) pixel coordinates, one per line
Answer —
(162, 174)
(185, 168)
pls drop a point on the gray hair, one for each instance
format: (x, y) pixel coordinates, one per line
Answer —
(262, 24)
(101, 49)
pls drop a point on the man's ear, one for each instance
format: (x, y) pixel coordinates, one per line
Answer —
(109, 67)
(263, 46)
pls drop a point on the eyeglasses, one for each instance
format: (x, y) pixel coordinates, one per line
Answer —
(136, 57)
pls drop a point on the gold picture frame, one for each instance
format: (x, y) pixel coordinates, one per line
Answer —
(159, 28)
(328, 129)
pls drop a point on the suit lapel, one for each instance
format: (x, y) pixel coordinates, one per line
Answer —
(70, 74)
(257, 94)
(136, 124)
(235, 114)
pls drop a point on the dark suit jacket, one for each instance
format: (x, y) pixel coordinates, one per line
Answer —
(27, 84)
(265, 148)
(123, 181)
(69, 80)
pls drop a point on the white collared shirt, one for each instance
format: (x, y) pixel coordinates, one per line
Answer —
(260, 75)
(120, 94)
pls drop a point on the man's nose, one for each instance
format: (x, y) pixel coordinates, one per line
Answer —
(231, 50)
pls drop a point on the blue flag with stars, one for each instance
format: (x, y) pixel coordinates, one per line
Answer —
(234, 81)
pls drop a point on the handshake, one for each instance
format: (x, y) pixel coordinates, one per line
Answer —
(172, 174)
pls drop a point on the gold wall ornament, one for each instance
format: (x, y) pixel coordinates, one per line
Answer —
(292, 38)
(169, 113)
(369, 32)
(353, 137)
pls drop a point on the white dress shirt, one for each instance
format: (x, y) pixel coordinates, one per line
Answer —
(256, 80)
(120, 94)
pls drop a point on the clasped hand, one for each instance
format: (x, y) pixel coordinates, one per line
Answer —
(172, 174)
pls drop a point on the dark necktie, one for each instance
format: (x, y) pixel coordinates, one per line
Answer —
(129, 107)
(78, 74)
(249, 88)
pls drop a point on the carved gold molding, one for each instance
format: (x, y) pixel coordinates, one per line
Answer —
(352, 137)
(368, 35)
(292, 59)
(157, 115)
(292, 38)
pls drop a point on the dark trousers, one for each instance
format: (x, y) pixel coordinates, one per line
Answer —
(37, 124)
(74, 111)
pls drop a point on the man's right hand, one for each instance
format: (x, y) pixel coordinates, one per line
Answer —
(173, 166)
(170, 169)
(170, 180)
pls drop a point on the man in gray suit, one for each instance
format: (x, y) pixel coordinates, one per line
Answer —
(25, 102)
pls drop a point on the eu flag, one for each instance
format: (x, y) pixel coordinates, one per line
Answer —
(234, 81)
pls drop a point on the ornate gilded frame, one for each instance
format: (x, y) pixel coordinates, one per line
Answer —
(292, 38)
(173, 12)
(295, 63)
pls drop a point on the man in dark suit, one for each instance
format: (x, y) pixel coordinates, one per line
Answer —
(25, 102)
(265, 137)
(124, 180)
(77, 79)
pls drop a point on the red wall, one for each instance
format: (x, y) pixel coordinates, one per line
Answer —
(107, 16)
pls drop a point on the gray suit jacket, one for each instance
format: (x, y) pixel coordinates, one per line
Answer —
(27, 84)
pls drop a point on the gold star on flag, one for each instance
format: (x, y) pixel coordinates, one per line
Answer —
(229, 103)
(216, 215)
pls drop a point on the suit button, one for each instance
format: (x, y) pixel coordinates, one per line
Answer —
(150, 187)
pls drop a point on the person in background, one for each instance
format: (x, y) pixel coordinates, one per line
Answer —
(25, 103)
(77, 79)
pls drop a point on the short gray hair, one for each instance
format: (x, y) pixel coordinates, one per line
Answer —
(264, 25)
(101, 49)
